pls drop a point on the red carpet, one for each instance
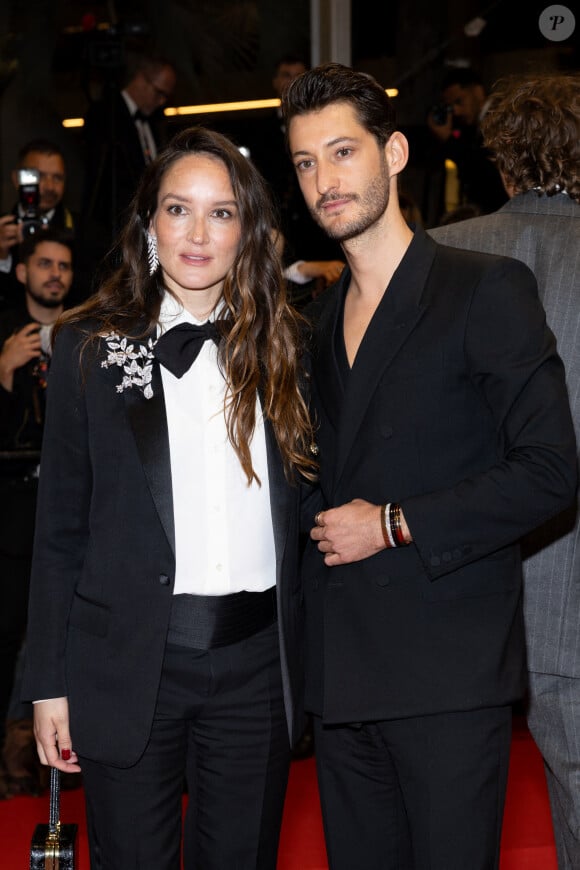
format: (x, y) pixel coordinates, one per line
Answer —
(527, 842)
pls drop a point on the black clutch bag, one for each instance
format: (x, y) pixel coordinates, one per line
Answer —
(53, 846)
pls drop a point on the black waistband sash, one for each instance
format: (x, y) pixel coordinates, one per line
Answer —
(207, 621)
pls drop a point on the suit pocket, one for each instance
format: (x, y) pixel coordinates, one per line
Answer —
(90, 616)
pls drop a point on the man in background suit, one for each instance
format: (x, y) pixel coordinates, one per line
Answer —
(533, 127)
(458, 134)
(444, 436)
(123, 132)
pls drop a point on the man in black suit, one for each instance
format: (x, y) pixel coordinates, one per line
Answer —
(444, 435)
(123, 132)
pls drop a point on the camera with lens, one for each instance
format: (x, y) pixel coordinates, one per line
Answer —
(30, 218)
(440, 113)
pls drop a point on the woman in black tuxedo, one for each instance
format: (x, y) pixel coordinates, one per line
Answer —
(165, 616)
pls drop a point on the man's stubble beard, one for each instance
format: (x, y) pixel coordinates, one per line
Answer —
(50, 303)
(373, 203)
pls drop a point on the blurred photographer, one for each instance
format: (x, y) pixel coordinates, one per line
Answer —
(45, 275)
(455, 124)
(123, 132)
(34, 211)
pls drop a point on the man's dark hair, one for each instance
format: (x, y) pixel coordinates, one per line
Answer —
(39, 146)
(332, 83)
(29, 245)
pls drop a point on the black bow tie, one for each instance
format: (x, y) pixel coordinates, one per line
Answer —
(138, 115)
(178, 348)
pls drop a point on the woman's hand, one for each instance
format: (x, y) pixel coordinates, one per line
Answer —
(53, 740)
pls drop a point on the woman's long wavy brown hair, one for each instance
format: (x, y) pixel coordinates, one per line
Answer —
(261, 347)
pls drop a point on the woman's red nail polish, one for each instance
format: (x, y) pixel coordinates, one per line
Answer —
(65, 754)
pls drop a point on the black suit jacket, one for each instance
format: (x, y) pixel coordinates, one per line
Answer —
(456, 407)
(104, 560)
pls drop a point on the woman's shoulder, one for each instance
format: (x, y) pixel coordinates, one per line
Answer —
(94, 330)
(75, 334)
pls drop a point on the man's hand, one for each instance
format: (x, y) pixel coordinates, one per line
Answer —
(352, 532)
(17, 350)
(10, 235)
(53, 740)
(349, 533)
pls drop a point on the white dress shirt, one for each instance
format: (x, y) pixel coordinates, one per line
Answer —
(224, 540)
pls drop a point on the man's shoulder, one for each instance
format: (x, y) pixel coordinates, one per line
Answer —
(479, 235)
(464, 258)
(526, 212)
(532, 230)
(65, 221)
(464, 244)
(457, 231)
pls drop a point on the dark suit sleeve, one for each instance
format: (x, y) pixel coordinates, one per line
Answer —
(62, 520)
(512, 361)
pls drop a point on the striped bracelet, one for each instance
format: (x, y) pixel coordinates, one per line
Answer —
(391, 525)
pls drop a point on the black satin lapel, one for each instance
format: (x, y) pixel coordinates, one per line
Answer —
(403, 304)
(148, 420)
(326, 373)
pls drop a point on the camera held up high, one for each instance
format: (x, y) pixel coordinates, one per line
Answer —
(30, 217)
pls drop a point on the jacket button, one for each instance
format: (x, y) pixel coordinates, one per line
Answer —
(164, 579)
(383, 581)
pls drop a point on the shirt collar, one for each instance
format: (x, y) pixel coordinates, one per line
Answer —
(172, 313)
(130, 103)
